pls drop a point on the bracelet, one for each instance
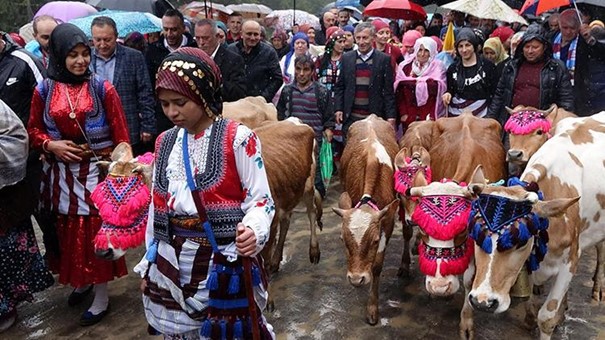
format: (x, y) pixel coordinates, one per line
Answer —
(45, 145)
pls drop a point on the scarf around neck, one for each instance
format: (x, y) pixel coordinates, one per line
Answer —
(571, 53)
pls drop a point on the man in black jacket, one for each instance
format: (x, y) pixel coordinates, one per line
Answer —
(173, 37)
(366, 83)
(230, 63)
(532, 78)
(261, 67)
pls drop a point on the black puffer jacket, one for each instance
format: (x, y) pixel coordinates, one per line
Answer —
(261, 68)
(555, 84)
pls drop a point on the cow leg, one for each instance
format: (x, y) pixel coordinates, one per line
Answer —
(467, 330)
(599, 275)
(284, 225)
(406, 260)
(549, 314)
(530, 306)
(372, 306)
(267, 254)
(318, 201)
(311, 198)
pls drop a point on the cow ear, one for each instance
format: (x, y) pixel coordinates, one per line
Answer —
(400, 158)
(554, 207)
(389, 209)
(477, 181)
(425, 156)
(122, 152)
(345, 201)
(338, 211)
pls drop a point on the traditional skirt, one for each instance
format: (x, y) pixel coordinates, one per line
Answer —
(193, 291)
(22, 269)
(77, 264)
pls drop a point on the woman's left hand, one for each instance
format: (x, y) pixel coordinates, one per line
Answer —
(245, 242)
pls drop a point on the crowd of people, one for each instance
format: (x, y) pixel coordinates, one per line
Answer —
(66, 101)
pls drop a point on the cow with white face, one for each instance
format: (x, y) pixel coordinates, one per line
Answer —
(368, 204)
(444, 251)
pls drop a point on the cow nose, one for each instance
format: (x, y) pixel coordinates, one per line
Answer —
(440, 289)
(515, 154)
(357, 280)
(106, 254)
(490, 305)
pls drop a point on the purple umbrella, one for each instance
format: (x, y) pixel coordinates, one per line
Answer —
(66, 10)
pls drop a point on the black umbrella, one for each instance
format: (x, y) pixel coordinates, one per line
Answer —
(157, 7)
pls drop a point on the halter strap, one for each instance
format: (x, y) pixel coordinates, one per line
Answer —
(367, 199)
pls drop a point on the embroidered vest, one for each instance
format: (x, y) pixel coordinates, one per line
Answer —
(97, 130)
(220, 183)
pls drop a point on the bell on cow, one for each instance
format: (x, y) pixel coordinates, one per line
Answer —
(521, 287)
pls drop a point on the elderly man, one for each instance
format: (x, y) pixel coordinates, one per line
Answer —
(532, 78)
(234, 25)
(43, 27)
(173, 37)
(584, 57)
(366, 83)
(328, 20)
(262, 71)
(230, 63)
(124, 67)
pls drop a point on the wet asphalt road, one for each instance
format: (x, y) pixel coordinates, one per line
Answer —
(316, 302)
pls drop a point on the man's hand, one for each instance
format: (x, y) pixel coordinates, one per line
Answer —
(245, 242)
(328, 134)
(146, 137)
(338, 116)
(586, 34)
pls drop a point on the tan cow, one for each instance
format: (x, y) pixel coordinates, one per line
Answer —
(368, 204)
(250, 111)
(568, 165)
(287, 148)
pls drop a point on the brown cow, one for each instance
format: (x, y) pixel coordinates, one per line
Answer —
(366, 174)
(250, 111)
(290, 163)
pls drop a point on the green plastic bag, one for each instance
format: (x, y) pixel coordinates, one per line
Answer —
(326, 161)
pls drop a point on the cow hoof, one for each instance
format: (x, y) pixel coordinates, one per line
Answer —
(270, 306)
(372, 316)
(538, 290)
(597, 294)
(314, 256)
(403, 272)
(320, 224)
(273, 268)
(467, 334)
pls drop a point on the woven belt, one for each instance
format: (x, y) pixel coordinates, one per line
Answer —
(192, 229)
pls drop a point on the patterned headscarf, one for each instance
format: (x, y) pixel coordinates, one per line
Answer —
(332, 38)
(192, 73)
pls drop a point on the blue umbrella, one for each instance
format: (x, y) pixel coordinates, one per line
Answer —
(343, 3)
(126, 22)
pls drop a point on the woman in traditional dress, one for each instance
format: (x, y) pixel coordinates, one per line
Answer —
(76, 119)
(419, 84)
(22, 269)
(211, 211)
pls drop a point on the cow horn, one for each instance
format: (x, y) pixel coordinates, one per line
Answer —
(550, 109)
(509, 110)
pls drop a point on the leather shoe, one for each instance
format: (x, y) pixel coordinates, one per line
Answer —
(89, 319)
(76, 298)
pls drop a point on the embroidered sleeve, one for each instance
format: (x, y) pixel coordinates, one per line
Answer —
(35, 126)
(258, 203)
(115, 115)
(143, 265)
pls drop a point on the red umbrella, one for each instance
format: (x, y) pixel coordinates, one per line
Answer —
(538, 7)
(395, 9)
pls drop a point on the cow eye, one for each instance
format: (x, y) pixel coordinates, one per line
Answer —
(539, 132)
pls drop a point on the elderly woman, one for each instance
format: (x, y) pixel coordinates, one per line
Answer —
(299, 45)
(532, 78)
(76, 120)
(22, 269)
(419, 84)
(279, 40)
(211, 208)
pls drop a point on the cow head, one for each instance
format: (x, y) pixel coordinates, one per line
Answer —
(528, 129)
(362, 235)
(509, 226)
(445, 250)
(407, 164)
(123, 200)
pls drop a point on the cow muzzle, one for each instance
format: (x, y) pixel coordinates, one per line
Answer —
(110, 254)
(484, 303)
(442, 286)
(359, 279)
(515, 156)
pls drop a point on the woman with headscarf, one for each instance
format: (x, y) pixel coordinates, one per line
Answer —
(494, 51)
(298, 46)
(408, 41)
(22, 269)
(381, 42)
(279, 40)
(211, 207)
(419, 84)
(76, 120)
